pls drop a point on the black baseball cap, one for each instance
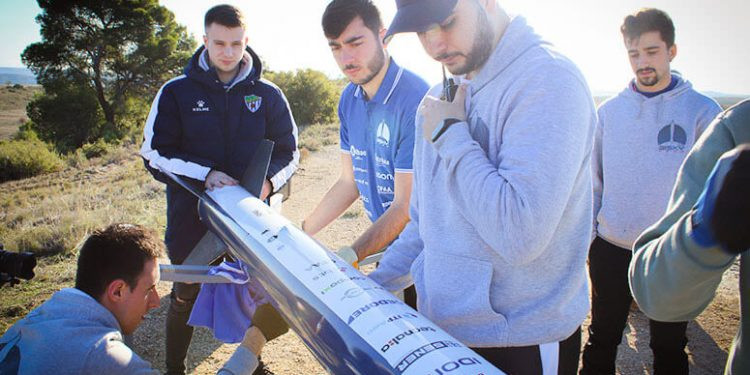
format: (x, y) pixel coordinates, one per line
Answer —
(418, 15)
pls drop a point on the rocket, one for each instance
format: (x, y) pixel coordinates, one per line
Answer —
(351, 324)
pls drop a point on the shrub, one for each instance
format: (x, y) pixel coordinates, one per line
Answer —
(68, 116)
(96, 149)
(26, 158)
(312, 96)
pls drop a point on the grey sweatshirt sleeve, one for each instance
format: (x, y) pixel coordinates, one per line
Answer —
(546, 147)
(596, 169)
(113, 357)
(712, 110)
(393, 272)
(672, 278)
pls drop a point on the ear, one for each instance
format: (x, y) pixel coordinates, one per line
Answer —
(672, 52)
(205, 41)
(115, 290)
(246, 40)
(381, 35)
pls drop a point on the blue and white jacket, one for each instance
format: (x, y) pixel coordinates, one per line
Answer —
(197, 123)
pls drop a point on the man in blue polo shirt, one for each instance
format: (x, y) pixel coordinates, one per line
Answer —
(376, 111)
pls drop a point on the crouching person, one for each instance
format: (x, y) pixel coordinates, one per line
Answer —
(80, 330)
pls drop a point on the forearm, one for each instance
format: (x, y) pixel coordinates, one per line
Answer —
(673, 278)
(338, 198)
(383, 231)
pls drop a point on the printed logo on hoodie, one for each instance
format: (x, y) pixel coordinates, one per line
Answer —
(672, 138)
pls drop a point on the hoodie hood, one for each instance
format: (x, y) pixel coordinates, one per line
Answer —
(680, 88)
(200, 69)
(683, 86)
(518, 38)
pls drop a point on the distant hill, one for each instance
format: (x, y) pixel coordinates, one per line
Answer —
(21, 76)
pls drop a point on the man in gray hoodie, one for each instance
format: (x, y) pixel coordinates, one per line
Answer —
(642, 137)
(501, 204)
(80, 330)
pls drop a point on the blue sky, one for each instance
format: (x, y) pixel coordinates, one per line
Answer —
(713, 52)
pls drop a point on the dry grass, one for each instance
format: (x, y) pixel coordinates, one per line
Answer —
(13, 102)
(313, 137)
(51, 214)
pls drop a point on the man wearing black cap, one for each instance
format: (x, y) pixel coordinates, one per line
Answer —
(501, 210)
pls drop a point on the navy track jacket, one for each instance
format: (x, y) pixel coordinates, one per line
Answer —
(197, 124)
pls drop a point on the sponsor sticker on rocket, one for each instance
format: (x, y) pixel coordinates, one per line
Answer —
(408, 342)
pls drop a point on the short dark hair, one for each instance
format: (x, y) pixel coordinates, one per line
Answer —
(730, 222)
(225, 15)
(118, 251)
(340, 13)
(648, 19)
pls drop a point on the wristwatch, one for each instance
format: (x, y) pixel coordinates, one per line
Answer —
(442, 128)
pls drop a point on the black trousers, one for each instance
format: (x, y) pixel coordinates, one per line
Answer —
(179, 333)
(531, 360)
(610, 305)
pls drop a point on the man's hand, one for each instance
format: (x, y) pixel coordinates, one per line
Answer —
(434, 111)
(267, 188)
(350, 256)
(730, 222)
(218, 179)
(722, 213)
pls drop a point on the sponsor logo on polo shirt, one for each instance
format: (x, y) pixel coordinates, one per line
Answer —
(384, 176)
(382, 161)
(384, 134)
(385, 190)
(355, 152)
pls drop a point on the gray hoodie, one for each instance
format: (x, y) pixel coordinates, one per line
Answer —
(640, 144)
(72, 333)
(501, 204)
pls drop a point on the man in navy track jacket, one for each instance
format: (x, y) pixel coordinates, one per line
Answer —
(205, 125)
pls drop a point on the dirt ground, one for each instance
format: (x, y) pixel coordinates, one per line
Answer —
(710, 335)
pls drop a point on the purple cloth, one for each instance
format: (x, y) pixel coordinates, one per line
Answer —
(227, 309)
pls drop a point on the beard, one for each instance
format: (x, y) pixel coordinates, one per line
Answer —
(481, 47)
(649, 81)
(373, 67)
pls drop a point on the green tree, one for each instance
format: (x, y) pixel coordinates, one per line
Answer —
(312, 96)
(117, 52)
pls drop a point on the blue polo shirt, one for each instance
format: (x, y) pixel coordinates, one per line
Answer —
(379, 134)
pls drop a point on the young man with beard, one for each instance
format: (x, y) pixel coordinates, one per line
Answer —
(376, 111)
(501, 211)
(205, 125)
(642, 137)
(80, 330)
